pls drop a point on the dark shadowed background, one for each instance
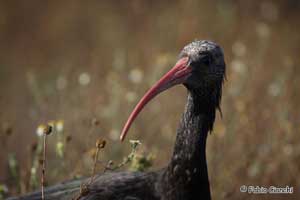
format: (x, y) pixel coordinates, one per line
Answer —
(83, 65)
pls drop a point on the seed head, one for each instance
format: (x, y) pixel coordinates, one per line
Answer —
(68, 138)
(95, 122)
(48, 130)
(100, 143)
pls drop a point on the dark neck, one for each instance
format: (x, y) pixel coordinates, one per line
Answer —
(188, 169)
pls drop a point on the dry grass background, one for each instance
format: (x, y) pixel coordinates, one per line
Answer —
(81, 61)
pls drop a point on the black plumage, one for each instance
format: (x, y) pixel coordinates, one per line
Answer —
(186, 176)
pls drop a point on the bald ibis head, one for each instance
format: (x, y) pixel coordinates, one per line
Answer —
(200, 68)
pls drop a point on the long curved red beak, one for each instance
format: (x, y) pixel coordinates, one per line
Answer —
(177, 75)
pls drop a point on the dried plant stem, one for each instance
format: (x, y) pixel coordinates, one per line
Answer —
(126, 160)
(44, 166)
(108, 166)
(47, 131)
(84, 188)
(94, 167)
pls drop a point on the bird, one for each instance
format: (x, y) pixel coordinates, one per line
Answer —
(201, 70)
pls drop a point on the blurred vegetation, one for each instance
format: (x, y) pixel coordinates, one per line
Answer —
(83, 66)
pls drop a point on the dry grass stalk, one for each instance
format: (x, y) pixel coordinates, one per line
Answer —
(47, 131)
(84, 188)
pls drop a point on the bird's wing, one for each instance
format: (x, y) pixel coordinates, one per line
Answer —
(108, 186)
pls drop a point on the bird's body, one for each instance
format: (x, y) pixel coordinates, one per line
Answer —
(107, 186)
(201, 70)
